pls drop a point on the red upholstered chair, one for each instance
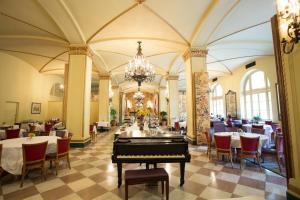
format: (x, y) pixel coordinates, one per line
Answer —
(245, 121)
(33, 157)
(223, 146)
(269, 122)
(249, 148)
(258, 126)
(92, 133)
(48, 127)
(62, 153)
(12, 133)
(258, 131)
(31, 128)
(177, 126)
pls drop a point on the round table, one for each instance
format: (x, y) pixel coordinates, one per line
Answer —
(268, 131)
(12, 153)
(236, 142)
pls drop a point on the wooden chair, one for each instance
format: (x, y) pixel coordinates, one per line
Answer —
(62, 153)
(133, 177)
(33, 157)
(12, 133)
(258, 131)
(278, 151)
(92, 133)
(249, 149)
(223, 146)
(1, 170)
(209, 145)
(269, 122)
(257, 126)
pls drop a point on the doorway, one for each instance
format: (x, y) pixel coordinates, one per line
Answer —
(11, 112)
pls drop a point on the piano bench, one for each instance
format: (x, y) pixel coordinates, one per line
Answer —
(133, 177)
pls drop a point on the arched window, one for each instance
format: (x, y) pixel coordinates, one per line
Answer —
(217, 104)
(256, 99)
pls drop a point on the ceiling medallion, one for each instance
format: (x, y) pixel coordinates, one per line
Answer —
(139, 69)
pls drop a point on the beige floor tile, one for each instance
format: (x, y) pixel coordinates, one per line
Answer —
(90, 172)
(228, 177)
(71, 197)
(212, 193)
(110, 184)
(108, 196)
(242, 190)
(277, 189)
(81, 184)
(191, 168)
(34, 197)
(213, 166)
(201, 179)
(254, 175)
(8, 188)
(49, 185)
(179, 195)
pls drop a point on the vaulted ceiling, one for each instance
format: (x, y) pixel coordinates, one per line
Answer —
(40, 31)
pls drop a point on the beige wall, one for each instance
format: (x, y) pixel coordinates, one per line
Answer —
(21, 82)
(234, 82)
(55, 109)
(94, 113)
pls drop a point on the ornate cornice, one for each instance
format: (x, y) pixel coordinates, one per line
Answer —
(194, 52)
(104, 77)
(114, 87)
(80, 50)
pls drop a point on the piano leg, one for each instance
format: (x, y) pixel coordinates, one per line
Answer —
(119, 165)
(182, 169)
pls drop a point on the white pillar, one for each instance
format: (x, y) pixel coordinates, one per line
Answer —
(104, 113)
(116, 100)
(173, 98)
(162, 99)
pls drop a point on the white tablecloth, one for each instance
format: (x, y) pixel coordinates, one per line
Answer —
(103, 124)
(236, 142)
(53, 133)
(268, 132)
(3, 135)
(12, 155)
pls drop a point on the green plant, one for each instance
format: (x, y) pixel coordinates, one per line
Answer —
(163, 114)
(113, 113)
(257, 118)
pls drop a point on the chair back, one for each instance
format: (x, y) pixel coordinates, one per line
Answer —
(208, 138)
(31, 128)
(48, 127)
(279, 144)
(257, 126)
(258, 131)
(34, 152)
(176, 125)
(231, 129)
(219, 127)
(63, 146)
(245, 121)
(91, 128)
(249, 144)
(60, 134)
(269, 122)
(223, 142)
(12, 133)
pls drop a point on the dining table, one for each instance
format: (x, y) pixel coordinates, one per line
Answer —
(236, 141)
(268, 132)
(12, 152)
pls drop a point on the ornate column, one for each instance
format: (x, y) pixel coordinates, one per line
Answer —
(173, 98)
(197, 99)
(116, 100)
(78, 95)
(162, 99)
(104, 113)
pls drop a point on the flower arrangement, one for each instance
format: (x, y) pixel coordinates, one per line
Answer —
(31, 135)
(143, 112)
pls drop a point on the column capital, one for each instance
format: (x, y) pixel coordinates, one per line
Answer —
(104, 77)
(172, 77)
(80, 50)
(114, 87)
(194, 52)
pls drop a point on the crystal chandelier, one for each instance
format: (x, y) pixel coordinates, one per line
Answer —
(138, 96)
(139, 69)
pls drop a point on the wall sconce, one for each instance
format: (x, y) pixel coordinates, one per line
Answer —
(289, 14)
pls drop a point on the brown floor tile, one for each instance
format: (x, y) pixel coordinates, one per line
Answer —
(235, 196)
(232, 171)
(193, 187)
(132, 190)
(272, 196)
(198, 163)
(56, 193)
(83, 167)
(72, 177)
(276, 180)
(98, 177)
(252, 183)
(91, 192)
(186, 174)
(90, 159)
(223, 185)
(206, 172)
(22, 193)
(78, 154)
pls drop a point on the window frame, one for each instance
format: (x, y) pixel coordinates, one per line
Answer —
(215, 98)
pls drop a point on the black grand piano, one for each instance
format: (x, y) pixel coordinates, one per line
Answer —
(144, 147)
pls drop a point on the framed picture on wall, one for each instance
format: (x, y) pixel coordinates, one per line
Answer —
(35, 108)
(231, 107)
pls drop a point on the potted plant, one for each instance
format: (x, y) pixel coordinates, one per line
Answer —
(163, 118)
(113, 116)
(256, 119)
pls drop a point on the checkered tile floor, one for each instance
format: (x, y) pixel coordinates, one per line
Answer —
(93, 176)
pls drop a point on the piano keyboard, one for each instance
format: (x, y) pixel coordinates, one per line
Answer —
(150, 156)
